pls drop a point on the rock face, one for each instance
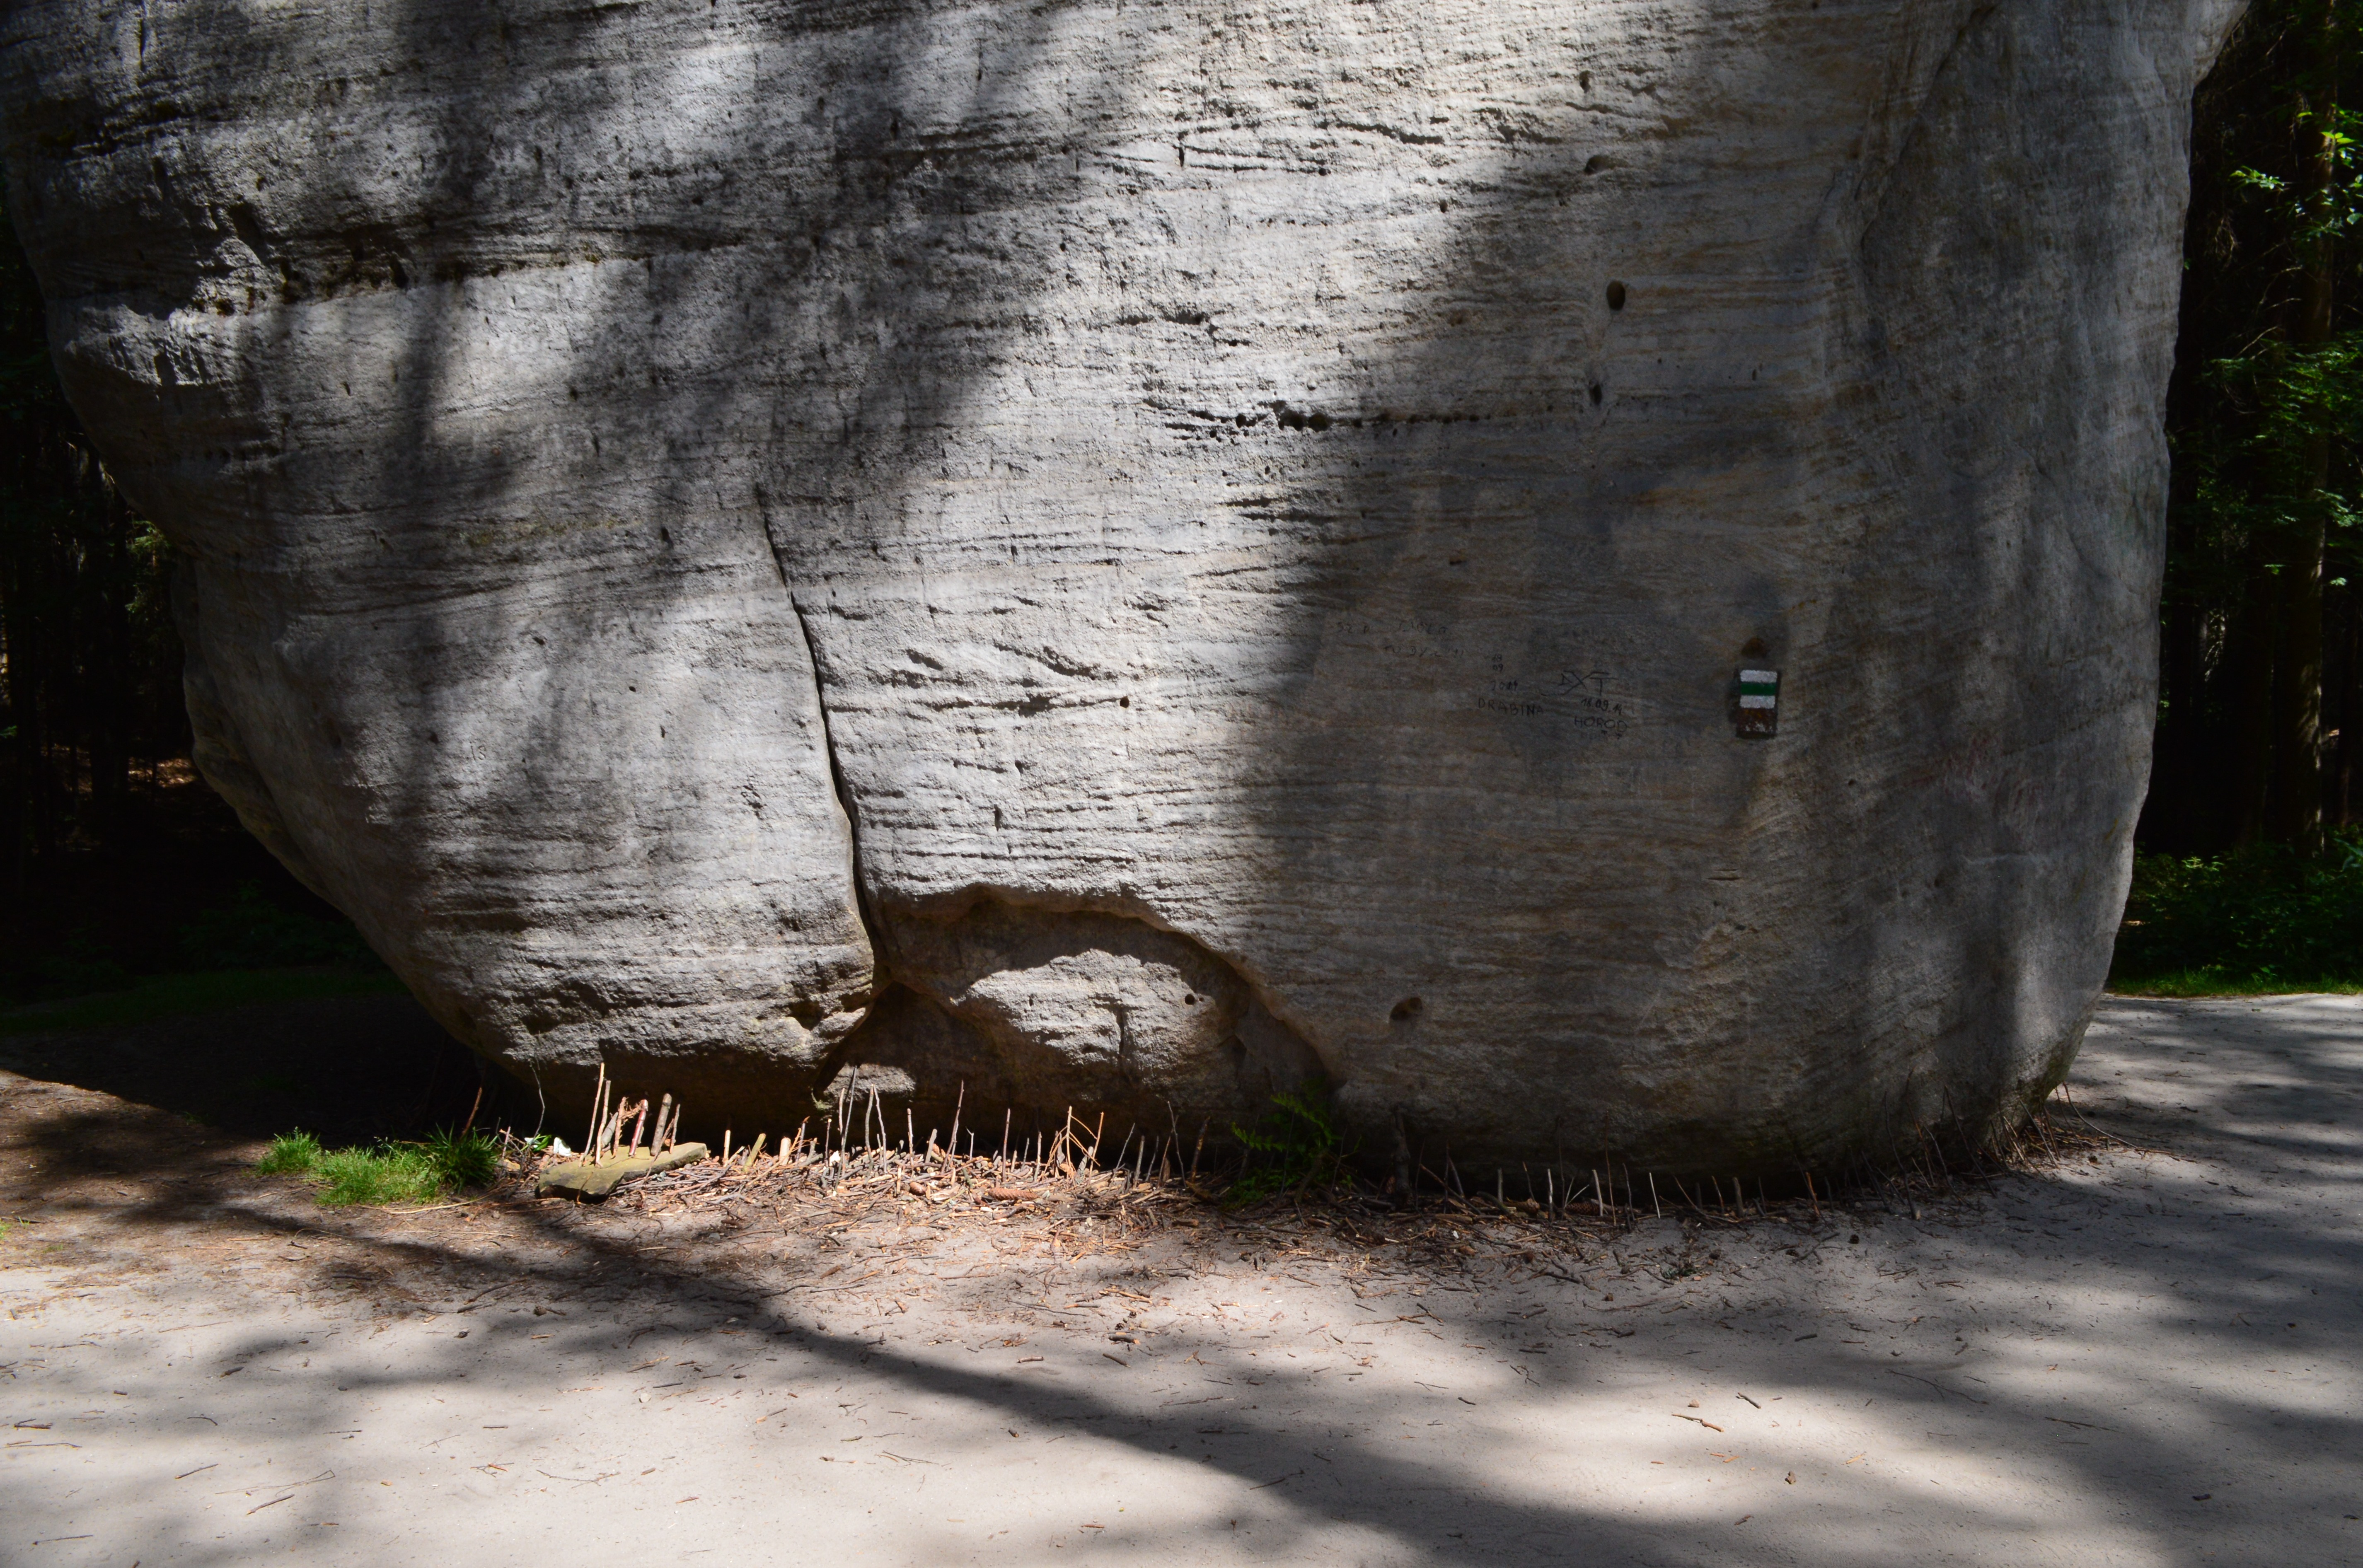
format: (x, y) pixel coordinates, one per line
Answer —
(1125, 553)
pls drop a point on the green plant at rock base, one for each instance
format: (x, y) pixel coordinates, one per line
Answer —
(465, 1159)
(290, 1153)
(389, 1173)
(1296, 1147)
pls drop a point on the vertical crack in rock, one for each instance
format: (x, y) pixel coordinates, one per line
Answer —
(835, 773)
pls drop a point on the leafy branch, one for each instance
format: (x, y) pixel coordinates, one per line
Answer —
(1296, 1146)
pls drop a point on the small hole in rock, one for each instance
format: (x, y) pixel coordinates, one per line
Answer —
(1595, 394)
(1407, 1008)
(1123, 702)
(1616, 296)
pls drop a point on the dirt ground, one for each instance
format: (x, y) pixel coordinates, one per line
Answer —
(2147, 1353)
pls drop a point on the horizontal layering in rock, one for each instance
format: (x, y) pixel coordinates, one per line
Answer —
(1583, 570)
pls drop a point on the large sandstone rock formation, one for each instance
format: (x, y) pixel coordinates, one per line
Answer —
(1124, 553)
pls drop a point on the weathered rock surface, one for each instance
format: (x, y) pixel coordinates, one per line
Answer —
(1123, 552)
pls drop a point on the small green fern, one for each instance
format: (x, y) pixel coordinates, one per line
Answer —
(1296, 1148)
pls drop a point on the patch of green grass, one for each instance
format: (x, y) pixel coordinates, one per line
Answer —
(1297, 1146)
(465, 1159)
(2259, 921)
(290, 1153)
(167, 996)
(386, 1173)
(391, 1173)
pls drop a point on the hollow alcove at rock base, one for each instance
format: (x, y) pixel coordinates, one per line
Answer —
(1016, 1017)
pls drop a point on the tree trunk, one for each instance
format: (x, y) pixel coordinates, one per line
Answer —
(2249, 650)
(2340, 806)
(2296, 816)
(107, 664)
(2296, 807)
(2176, 776)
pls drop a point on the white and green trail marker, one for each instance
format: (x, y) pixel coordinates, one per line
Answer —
(1759, 703)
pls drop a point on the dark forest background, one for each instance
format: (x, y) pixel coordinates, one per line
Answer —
(116, 863)
(2260, 733)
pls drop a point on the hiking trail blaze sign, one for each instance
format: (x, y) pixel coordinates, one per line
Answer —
(1759, 700)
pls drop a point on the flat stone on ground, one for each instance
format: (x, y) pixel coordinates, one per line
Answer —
(597, 1179)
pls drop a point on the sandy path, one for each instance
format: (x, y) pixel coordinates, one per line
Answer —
(2149, 1359)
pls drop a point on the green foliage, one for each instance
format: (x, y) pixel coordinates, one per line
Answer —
(2265, 919)
(391, 1173)
(247, 949)
(290, 1153)
(250, 932)
(2265, 417)
(1296, 1147)
(2331, 211)
(77, 967)
(2250, 473)
(465, 1159)
(166, 996)
(387, 1173)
